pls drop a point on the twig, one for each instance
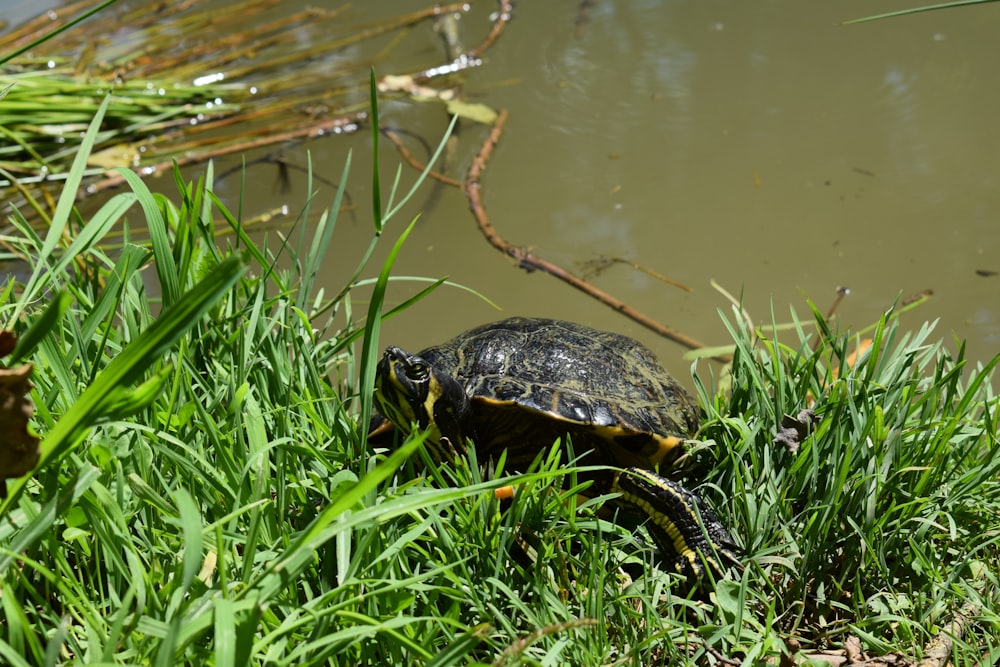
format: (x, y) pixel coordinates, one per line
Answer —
(504, 13)
(938, 649)
(841, 293)
(413, 162)
(531, 262)
(917, 298)
(521, 644)
(597, 265)
(472, 58)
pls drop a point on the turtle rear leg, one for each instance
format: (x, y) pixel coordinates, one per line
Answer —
(679, 522)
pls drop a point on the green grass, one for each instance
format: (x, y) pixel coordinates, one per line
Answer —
(206, 495)
(887, 516)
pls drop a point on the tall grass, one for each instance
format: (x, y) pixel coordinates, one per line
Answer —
(886, 516)
(179, 518)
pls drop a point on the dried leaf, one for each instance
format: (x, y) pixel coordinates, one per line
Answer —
(795, 429)
(119, 155)
(8, 341)
(19, 449)
(404, 83)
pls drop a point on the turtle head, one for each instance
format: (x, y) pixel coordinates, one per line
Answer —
(410, 392)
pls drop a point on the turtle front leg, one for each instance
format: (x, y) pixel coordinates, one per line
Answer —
(679, 522)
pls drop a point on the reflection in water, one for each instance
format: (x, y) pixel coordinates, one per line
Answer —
(905, 138)
(600, 82)
(588, 231)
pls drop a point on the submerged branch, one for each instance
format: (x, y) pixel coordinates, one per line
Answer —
(413, 162)
(503, 16)
(594, 267)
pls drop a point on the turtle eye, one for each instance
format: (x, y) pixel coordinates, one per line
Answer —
(419, 371)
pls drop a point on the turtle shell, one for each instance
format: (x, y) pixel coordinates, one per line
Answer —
(531, 381)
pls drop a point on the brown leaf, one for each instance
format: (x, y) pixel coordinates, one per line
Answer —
(7, 342)
(795, 429)
(854, 651)
(19, 449)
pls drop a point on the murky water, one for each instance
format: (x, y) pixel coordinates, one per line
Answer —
(763, 145)
(760, 144)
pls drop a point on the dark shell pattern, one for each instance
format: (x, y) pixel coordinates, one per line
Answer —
(538, 379)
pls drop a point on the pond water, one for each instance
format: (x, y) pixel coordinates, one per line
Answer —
(762, 145)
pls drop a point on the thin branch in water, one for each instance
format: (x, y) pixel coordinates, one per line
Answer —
(841, 293)
(505, 11)
(413, 162)
(594, 267)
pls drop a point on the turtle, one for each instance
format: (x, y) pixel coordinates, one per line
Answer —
(519, 385)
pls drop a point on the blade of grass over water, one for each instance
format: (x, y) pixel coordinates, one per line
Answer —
(166, 268)
(93, 11)
(917, 10)
(376, 172)
(39, 277)
(370, 343)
